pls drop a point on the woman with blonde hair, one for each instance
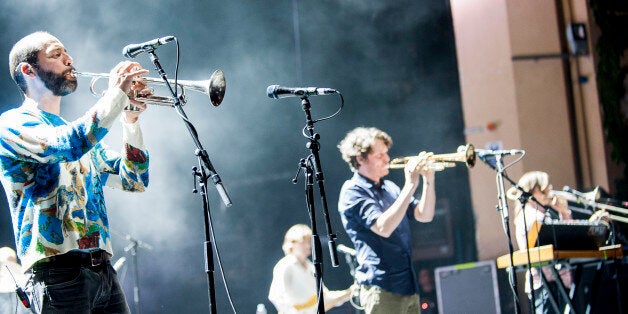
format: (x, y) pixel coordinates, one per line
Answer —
(544, 206)
(293, 289)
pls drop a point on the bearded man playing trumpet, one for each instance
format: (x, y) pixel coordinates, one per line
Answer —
(376, 215)
(53, 171)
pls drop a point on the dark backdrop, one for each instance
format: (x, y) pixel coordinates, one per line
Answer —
(394, 63)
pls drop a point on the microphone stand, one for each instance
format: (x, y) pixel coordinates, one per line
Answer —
(206, 172)
(312, 168)
(132, 247)
(502, 208)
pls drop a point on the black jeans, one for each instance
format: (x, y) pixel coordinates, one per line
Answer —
(77, 288)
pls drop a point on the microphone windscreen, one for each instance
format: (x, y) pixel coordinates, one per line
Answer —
(270, 91)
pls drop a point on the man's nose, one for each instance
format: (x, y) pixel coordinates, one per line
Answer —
(68, 60)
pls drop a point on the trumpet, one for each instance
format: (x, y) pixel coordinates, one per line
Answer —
(214, 87)
(588, 201)
(464, 153)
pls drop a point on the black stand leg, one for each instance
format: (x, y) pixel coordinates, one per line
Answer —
(208, 248)
(317, 251)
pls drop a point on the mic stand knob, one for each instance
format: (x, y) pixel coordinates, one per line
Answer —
(195, 174)
(296, 176)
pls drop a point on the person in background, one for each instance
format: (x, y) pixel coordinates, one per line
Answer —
(54, 170)
(546, 207)
(427, 291)
(293, 289)
(376, 214)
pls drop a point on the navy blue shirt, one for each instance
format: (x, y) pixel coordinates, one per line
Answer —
(383, 262)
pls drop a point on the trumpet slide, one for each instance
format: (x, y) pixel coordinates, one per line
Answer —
(464, 153)
(214, 87)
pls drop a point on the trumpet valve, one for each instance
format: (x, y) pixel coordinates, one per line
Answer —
(440, 166)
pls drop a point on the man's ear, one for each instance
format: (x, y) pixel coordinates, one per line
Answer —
(26, 69)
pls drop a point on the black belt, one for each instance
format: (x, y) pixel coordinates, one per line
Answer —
(74, 258)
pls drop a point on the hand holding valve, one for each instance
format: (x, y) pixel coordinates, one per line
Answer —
(601, 216)
(557, 201)
(418, 166)
(124, 74)
(127, 76)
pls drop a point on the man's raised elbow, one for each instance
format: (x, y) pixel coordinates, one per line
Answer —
(381, 231)
(424, 219)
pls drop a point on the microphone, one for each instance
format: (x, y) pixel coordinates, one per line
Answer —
(345, 249)
(132, 50)
(580, 197)
(574, 192)
(568, 189)
(19, 291)
(484, 153)
(23, 297)
(276, 91)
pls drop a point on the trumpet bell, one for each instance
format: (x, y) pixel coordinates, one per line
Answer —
(469, 153)
(214, 88)
(217, 87)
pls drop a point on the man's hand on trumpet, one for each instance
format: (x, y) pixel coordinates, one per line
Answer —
(127, 76)
(419, 166)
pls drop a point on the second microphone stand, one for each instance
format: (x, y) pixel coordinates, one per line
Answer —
(502, 208)
(311, 167)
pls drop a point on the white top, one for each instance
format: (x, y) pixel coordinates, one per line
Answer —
(293, 289)
(535, 213)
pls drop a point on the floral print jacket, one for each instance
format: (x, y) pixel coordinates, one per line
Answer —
(53, 172)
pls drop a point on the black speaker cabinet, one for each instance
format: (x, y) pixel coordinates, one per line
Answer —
(468, 288)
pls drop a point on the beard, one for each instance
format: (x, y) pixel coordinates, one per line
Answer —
(59, 85)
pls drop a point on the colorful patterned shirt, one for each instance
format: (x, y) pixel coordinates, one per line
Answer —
(53, 172)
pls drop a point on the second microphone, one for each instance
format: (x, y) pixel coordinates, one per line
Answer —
(276, 91)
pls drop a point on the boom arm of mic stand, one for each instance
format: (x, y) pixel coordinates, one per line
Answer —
(213, 175)
(200, 152)
(133, 243)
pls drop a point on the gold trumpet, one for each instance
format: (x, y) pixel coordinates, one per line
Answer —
(214, 87)
(465, 153)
